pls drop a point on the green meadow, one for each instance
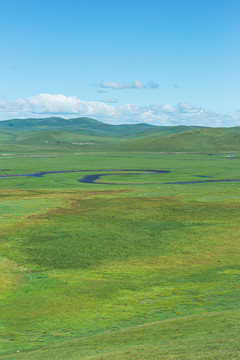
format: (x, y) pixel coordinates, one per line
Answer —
(140, 270)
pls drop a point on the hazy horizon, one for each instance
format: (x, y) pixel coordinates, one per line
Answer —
(112, 122)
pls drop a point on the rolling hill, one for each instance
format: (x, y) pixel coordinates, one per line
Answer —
(206, 139)
(67, 134)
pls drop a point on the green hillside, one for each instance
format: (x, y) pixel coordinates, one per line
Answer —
(206, 139)
(85, 125)
(66, 135)
(89, 126)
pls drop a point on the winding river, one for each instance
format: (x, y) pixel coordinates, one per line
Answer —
(91, 179)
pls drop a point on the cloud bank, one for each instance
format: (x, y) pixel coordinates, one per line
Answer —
(136, 84)
(45, 105)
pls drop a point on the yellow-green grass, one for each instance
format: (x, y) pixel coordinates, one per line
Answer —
(119, 272)
(15, 207)
(207, 336)
(110, 263)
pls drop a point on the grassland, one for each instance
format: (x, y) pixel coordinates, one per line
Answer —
(93, 271)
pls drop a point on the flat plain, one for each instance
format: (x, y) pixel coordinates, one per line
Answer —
(148, 269)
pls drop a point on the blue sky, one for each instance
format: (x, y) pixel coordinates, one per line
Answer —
(162, 62)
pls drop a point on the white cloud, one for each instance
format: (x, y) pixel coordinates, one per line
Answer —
(60, 104)
(167, 108)
(187, 108)
(45, 105)
(136, 84)
(55, 103)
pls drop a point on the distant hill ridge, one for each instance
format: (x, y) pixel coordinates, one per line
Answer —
(82, 122)
(57, 131)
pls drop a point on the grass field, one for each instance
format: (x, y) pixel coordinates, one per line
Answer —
(93, 271)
